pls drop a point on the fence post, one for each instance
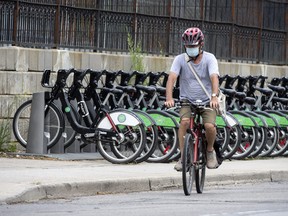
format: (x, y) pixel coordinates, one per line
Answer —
(202, 13)
(168, 32)
(37, 142)
(260, 24)
(15, 23)
(134, 25)
(286, 38)
(57, 26)
(232, 30)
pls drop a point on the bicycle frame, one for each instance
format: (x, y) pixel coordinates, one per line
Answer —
(196, 130)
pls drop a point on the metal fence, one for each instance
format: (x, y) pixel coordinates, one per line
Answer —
(242, 30)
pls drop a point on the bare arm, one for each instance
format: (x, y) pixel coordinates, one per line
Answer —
(215, 86)
(169, 89)
(215, 83)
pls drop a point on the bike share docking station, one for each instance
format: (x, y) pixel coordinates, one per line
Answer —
(37, 141)
(39, 133)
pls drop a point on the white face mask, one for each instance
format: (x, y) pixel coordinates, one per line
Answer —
(192, 52)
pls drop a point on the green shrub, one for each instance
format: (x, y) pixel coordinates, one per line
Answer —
(5, 135)
(135, 52)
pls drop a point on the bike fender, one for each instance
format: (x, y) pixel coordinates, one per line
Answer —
(163, 119)
(119, 118)
(228, 120)
(244, 119)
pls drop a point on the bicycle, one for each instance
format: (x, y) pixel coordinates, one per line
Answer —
(194, 153)
(54, 126)
(133, 98)
(116, 131)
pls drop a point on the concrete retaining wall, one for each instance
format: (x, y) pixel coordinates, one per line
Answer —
(21, 70)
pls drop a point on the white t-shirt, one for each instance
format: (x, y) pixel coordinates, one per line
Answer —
(189, 86)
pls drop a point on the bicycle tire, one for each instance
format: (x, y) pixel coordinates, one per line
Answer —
(282, 144)
(248, 143)
(167, 145)
(262, 140)
(228, 136)
(151, 136)
(167, 136)
(129, 149)
(177, 155)
(262, 134)
(223, 137)
(21, 121)
(200, 170)
(188, 170)
(249, 135)
(272, 134)
(151, 144)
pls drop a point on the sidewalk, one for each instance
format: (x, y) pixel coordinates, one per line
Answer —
(24, 180)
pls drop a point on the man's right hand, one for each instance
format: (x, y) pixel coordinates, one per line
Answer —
(169, 103)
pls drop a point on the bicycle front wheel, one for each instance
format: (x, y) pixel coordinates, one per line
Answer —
(53, 128)
(200, 169)
(188, 170)
(128, 139)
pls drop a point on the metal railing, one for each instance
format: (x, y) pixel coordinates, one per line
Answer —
(241, 30)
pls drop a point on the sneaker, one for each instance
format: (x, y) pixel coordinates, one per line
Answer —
(178, 166)
(212, 162)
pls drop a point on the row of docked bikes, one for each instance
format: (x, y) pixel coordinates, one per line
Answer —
(123, 113)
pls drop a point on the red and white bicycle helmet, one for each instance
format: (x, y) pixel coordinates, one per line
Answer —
(193, 36)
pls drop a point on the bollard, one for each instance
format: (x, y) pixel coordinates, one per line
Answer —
(37, 142)
(58, 148)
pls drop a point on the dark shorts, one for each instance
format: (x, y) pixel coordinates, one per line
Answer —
(208, 114)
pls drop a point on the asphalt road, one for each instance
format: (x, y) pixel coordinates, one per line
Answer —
(257, 199)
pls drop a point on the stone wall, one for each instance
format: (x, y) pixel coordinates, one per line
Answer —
(21, 70)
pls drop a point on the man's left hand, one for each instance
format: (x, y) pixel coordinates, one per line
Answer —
(214, 103)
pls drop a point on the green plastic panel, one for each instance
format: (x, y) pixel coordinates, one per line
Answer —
(270, 122)
(258, 120)
(280, 119)
(144, 118)
(220, 122)
(244, 121)
(162, 120)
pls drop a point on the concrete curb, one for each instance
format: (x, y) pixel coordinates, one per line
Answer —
(77, 189)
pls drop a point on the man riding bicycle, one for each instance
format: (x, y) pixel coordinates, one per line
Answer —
(206, 66)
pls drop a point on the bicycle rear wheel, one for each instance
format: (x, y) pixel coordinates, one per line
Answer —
(188, 170)
(53, 128)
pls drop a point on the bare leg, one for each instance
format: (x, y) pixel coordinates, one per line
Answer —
(184, 124)
(210, 131)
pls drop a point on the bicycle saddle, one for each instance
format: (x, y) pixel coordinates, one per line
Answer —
(240, 95)
(265, 91)
(112, 90)
(160, 89)
(148, 89)
(278, 89)
(281, 100)
(127, 89)
(229, 92)
(250, 100)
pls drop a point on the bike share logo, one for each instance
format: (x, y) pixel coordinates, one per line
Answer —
(121, 118)
(67, 109)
